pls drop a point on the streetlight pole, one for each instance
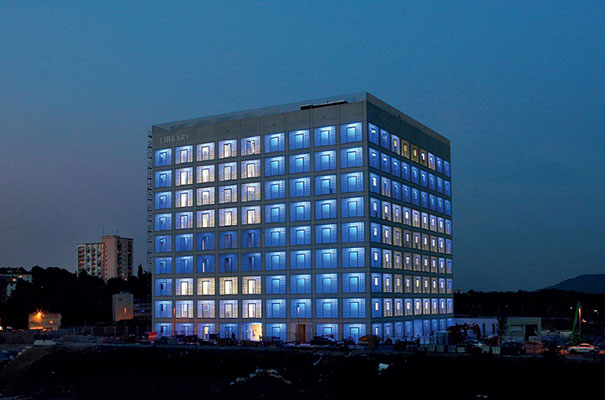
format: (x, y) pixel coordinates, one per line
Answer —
(580, 321)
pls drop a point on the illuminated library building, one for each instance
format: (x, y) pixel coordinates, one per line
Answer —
(329, 217)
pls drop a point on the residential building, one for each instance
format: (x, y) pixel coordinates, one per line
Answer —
(109, 258)
(9, 278)
(323, 217)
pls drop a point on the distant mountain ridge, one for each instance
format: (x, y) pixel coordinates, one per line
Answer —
(588, 283)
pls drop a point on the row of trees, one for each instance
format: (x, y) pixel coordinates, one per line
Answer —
(82, 300)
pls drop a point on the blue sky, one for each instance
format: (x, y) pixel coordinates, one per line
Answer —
(517, 87)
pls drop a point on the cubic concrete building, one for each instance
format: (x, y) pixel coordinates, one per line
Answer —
(110, 258)
(322, 217)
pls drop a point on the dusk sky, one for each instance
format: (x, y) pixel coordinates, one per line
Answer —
(518, 88)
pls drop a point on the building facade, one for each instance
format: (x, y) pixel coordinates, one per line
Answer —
(118, 257)
(325, 217)
(110, 258)
(91, 258)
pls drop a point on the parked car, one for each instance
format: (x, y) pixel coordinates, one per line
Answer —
(323, 341)
(512, 348)
(473, 345)
(583, 348)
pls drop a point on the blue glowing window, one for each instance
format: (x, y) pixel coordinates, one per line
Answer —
(375, 258)
(405, 171)
(446, 169)
(163, 157)
(275, 190)
(205, 264)
(251, 262)
(275, 260)
(439, 185)
(446, 188)
(274, 142)
(163, 222)
(325, 136)
(327, 308)
(300, 211)
(275, 237)
(163, 179)
(326, 283)
(163, 244)
(227, 240)
(326, 258)
(301, 308)
(396, 190)
(424, 181)
(325, 160)
(440, 204)
(432, 182)
(300, 163)
(376, 308)
(184, 242)
(352, 232)
(228, 263)
(275, 213)
(374, 158)
(415, 196)
(251, 238)
(439, 164)
(325, 209)
(300, 284)
(300, 235)
(299, 139)
(353, 283)
(385, 139)
(374, 134)
(325, 184)
(385, 163)
(374, 208)
(406, 193)
(325, 234)
(276, 284)
(183, 265)
(424, 199)
(300, 187)
(276, 308)
(353, 308)
(374, 183)
(352, 207)
(275, 166)
(205, 241)
(163, 200)
(300, 259)
(375, 232)
(350, 133)
(352, 157)
(353, 257)
(395, 169)
(352, 182)
(163, 287)
(163, 265)
(376, 284)
(415, 175)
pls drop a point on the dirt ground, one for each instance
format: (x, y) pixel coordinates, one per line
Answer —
(103, 372)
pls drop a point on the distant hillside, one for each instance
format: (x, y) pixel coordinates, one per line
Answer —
(588, 283)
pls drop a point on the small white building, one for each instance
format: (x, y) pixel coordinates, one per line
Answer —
(122, 306)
